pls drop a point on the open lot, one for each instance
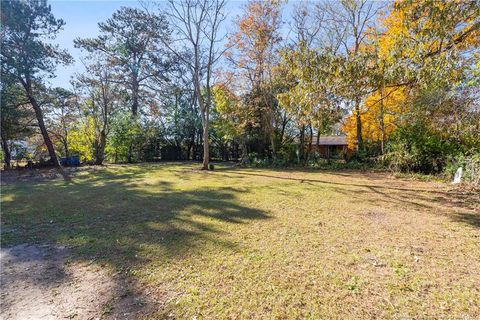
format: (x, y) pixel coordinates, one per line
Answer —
(170, 241)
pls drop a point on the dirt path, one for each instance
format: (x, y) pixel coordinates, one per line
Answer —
(39, 282)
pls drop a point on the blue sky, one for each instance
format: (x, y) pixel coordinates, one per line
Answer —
(82, 17)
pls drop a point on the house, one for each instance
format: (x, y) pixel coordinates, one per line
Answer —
(331, 146)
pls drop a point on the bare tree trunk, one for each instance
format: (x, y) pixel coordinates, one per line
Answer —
(204, 108)
(271, 124)
(198, 139)
(100, 149)
(189, 146)
(130, 154)
(135, 89)
(307, 157)
(201, 22)
(206, 151)
(360, 146)
(43, 129)
(65, 147)
(284, 125)
(302, 143)
(243, 148)
(41, 124)
(6, 152)
(382, 121)
(318, 140)
(272, 142)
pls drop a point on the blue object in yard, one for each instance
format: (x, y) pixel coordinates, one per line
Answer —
(73, 161)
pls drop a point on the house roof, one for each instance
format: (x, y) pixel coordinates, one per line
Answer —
(331, 141)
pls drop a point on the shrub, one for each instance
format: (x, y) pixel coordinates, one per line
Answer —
(469, 163)
(416, 148)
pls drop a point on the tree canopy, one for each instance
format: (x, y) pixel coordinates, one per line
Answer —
(185, 81)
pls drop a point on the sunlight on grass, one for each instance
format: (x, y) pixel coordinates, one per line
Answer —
(251, 243)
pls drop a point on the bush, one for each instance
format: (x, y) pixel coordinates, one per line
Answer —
(415, 148)
(469, 163)
(289, 154)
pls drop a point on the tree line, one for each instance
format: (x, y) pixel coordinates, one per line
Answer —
(184, 81)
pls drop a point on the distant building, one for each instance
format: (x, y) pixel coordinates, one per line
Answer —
(331, 146)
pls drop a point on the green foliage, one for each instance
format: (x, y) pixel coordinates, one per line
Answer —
(289, 153)
(126, 132)
(226, 116)
(135, 103)
(16, 114)
(470, 164)
(416, 148)
(28, 54)
(132, 39)
(26, 25)
(308, 87)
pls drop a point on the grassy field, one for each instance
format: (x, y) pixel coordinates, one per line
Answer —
(258, 243)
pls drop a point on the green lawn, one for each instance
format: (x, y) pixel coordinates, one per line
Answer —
(258, 243)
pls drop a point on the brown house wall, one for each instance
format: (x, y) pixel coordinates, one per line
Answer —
(326, 151)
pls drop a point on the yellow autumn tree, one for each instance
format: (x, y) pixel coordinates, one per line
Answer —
(418, 36)
(80, 139)
(407, 45)
(379, 116)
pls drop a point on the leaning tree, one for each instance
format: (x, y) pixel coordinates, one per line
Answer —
(27, 52)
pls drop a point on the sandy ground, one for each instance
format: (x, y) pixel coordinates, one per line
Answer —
(39, 282)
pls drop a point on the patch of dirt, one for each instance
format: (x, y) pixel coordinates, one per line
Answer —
(39, 282)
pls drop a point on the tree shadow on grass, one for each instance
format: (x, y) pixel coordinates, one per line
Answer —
(458, 206)
(114, 218)
(111, 213)
(472, 219)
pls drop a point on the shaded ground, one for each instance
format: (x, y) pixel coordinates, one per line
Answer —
(244, 243)
(40, 282)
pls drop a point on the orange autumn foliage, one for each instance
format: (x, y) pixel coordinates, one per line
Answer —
(410, 25)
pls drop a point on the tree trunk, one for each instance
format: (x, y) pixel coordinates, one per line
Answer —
(284, 125)
(272, 142)
(189, 148)
(302, 144)
(135, 89)
(65, 147)
(196, 146)
(307, 157)
(204, 108)
(130, 154)
(206, 154)
(382, 121)
(225, 153)
(6, 152)
(271, 124)
(243, 148)
(360, 146)
(100, 149)
(43, 129)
